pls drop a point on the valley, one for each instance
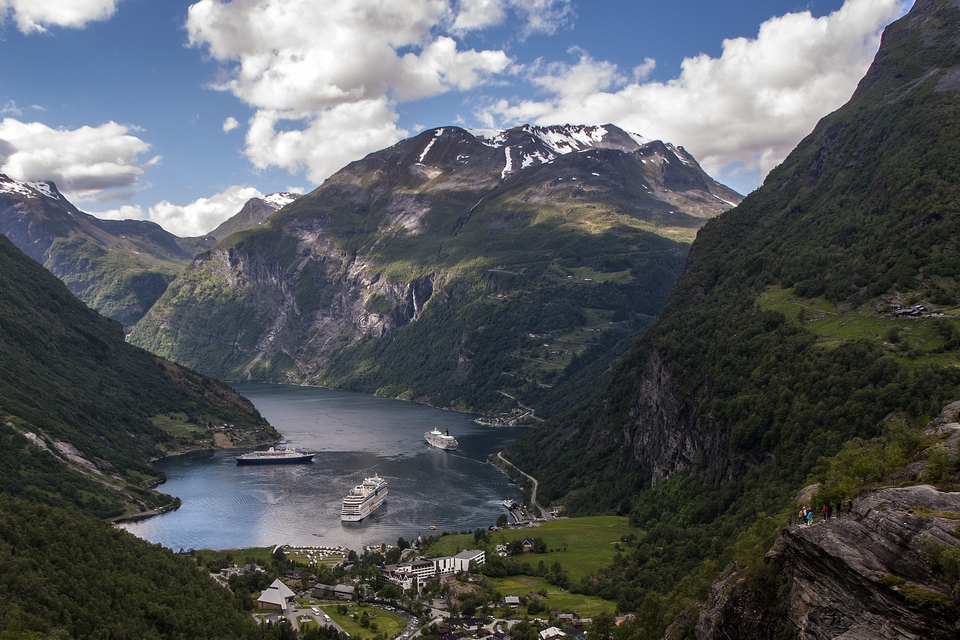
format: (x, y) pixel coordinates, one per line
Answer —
(681, 369)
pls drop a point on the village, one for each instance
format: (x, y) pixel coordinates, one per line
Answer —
(398, 591)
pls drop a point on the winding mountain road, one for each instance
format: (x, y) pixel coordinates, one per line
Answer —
(533, 494)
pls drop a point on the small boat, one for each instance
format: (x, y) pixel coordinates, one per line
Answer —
(440, 440)
(278, 455)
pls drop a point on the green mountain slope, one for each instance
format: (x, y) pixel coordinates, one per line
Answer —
(456, 268)
(81, 415)
(118, 267)
(782, 342)
(81, 410)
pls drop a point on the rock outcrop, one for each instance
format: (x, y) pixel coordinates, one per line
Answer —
(868, 575)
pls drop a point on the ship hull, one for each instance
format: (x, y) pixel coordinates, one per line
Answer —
(264, 461)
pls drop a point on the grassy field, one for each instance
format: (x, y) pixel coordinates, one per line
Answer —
(580, 545)
(385, 622)
(264, 555)
(911, 340)
(557, 600)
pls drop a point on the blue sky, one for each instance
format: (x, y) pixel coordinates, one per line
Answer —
(180, 111)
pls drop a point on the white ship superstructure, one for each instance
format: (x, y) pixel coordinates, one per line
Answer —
(440, 440)
(364, 499)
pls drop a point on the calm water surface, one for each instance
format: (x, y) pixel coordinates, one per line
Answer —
(226, 506)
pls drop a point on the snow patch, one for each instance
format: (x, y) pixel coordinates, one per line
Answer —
(490, 137)
(530, 159)
(676, 153)
(28, 189)
(509, 163)
(429, 145)
(639, 139)
(279, 200)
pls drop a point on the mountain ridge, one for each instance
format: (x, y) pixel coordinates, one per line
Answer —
(118, 267)
(450, 238)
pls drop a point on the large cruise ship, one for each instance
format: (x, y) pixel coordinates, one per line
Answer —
(279, 455)
(441, 440)
(364, 499)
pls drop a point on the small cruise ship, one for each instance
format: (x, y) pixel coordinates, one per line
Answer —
(440, 440)
(364, 499)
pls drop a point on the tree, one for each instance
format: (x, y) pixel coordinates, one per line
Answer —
(502, 520)
(602, 626)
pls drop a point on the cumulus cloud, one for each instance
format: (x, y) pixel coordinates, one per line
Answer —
(230, 124)
(332, 73)
(84, 162)
(202, 215)
(535, 16)
(33, 16)
(746, 109)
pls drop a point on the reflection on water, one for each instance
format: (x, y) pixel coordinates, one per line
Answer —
(226, 506)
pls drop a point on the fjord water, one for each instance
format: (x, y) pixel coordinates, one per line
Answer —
(226, 506)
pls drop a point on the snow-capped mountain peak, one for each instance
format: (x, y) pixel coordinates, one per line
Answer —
(280, 199)
(29, 189)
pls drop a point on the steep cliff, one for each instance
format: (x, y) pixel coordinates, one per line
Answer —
(874, 573)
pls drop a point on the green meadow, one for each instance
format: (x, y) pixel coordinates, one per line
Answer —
(580, 545)
(910, 340)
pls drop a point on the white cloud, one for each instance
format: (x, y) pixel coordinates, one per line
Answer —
(34, 16)
(536, 16)
(200, 216)
(230, 124)
(332, 73)
(331, 138)
(748, 108)
(84, 162)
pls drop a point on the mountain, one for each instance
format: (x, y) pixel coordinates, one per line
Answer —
(469, 269)
(119, 267)
(811, 336)
(82, 412)
(254, 213)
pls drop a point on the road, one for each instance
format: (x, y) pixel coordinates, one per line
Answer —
(533, 493)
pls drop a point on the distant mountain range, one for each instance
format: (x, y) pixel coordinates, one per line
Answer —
(118, 267)
(468, 269)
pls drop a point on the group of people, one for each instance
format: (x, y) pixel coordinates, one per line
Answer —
(829, 511)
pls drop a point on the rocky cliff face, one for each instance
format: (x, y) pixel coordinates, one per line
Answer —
(485, 248)
(865, 575)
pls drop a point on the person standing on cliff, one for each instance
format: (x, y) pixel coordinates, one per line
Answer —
(809, 517)
(826, 511)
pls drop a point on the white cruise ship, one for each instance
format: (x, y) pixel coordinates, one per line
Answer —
(440, 440)
(364, 499)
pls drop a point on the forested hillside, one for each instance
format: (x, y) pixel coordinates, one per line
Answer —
(81, 408)
(818, 316)
(82, 413)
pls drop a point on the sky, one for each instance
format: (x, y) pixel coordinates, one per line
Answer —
(179, 112)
